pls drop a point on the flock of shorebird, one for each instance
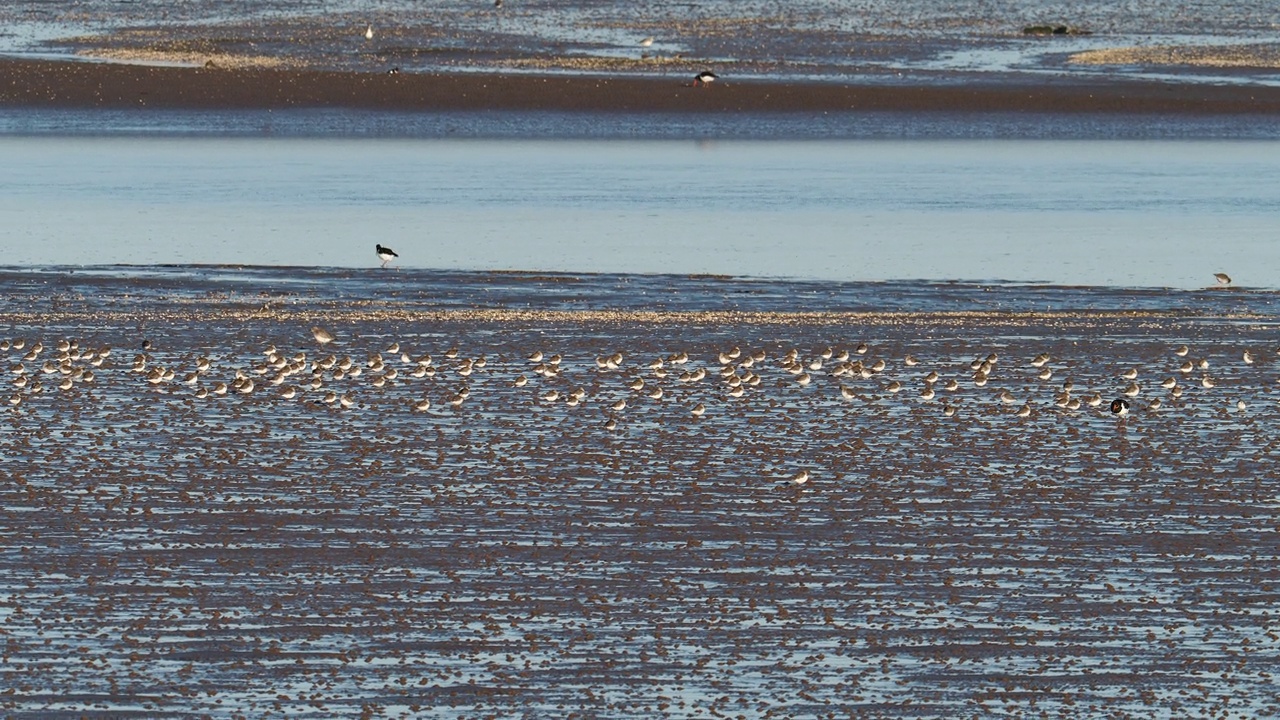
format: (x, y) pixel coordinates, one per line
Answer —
(618, 387)
(296, 374)
(327, 379)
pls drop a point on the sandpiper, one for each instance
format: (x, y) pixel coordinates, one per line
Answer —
(322, 336)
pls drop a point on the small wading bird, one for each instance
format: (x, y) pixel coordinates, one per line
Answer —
(368, 32)
(1222, 278)
(706, 77)
(386, 255)
(322, 336)
(1120, 407)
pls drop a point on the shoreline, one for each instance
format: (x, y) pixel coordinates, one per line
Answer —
(87, 85)
(515, 275)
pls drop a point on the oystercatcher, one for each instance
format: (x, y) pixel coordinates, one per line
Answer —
(1120, 406)
(706, 77)
(386, 255)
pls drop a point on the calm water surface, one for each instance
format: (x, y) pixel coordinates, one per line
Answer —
(1088, 212)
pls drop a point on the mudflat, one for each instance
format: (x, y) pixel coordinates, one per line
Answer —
(75, 84)
(476, 498)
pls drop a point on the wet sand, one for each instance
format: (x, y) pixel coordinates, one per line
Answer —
(171, 551)
(104, 85)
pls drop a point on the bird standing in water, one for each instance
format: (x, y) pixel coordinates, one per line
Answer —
(386, 255)
(322, 336)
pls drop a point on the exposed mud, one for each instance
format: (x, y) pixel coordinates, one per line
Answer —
(576, 545)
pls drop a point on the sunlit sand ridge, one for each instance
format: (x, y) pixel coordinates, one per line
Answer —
(1242, 56)
(181, 57)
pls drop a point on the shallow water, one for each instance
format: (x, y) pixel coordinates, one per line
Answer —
(1063, 212)
(165, 554)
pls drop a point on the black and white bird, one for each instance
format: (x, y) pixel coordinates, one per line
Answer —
(1120, 406)
(706, 77)
(386, 255)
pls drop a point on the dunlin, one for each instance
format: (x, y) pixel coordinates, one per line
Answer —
(322, 336)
